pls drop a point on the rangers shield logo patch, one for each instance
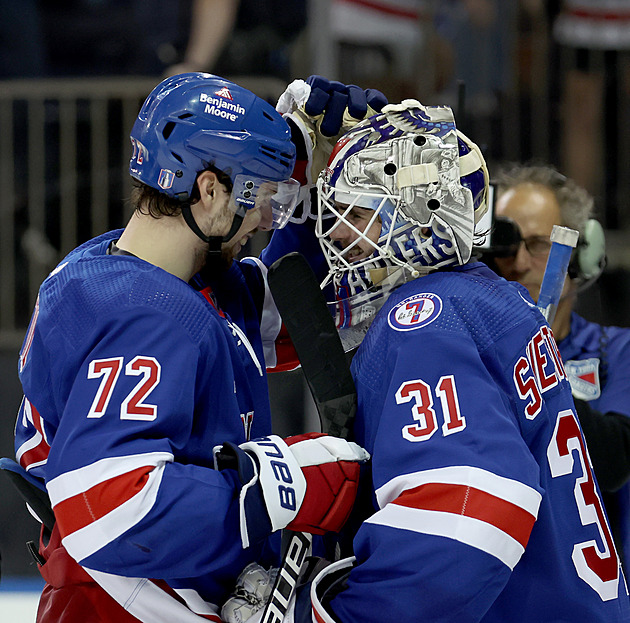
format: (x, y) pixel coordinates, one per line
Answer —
(415, 312)
(584, 378)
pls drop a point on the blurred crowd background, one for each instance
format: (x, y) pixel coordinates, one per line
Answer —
(529, 80)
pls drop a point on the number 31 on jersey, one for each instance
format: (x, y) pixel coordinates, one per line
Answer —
(426, 419)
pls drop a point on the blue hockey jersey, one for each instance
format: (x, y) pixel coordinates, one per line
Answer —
(484, 505)
(131, 377)
(597, 361)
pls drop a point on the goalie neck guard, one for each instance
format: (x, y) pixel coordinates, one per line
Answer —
(421, 183)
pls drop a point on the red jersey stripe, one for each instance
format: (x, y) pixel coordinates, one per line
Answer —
(601, 14)
(82, 509)
(39, 453)
(388, 9)
(470, 502)
(286, 357)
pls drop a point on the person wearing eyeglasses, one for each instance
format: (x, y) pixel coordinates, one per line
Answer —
(530, 201)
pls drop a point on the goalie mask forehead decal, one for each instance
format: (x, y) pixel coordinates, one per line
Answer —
(438, 122)
(415, 312)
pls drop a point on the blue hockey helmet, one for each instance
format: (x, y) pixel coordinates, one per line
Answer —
(195, 120)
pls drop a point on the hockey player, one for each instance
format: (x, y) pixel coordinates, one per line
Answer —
(485, 506)
(596, 358)
(135, 366)
(481, 504)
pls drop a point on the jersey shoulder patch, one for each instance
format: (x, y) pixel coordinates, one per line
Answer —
(415, 311)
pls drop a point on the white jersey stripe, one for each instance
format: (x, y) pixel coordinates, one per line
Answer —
(150, 604)
(270, 323)
(31, 443)
(79, 480)
(89, 539)
(479, 534)
(507, 489)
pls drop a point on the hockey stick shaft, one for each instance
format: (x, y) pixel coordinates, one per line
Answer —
(288, 575)
(314, 335)
(312, 330)
(563, 241)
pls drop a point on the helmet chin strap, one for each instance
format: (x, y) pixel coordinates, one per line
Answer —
(214, 242)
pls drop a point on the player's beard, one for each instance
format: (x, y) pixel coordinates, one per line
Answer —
(213, 265)
(228, 255)
(225, 260)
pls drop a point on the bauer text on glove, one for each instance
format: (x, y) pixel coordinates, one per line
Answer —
(306, 483)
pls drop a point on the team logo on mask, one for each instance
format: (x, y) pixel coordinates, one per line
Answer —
(224, 92)
(415, 312)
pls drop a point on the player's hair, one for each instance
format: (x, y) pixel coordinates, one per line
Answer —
(148, 200)
(576, 204)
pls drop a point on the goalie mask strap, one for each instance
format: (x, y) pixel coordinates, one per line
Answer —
(428, 173)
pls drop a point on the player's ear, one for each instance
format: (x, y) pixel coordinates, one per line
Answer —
(207, 182)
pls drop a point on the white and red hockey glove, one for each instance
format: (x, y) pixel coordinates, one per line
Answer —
(306, 483)
(319, 111)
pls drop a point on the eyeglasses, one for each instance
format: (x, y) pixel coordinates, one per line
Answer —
(537, 246)
(506, 240)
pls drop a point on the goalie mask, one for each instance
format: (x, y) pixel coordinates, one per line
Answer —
(399, 198)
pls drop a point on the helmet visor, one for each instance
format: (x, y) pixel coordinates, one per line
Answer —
(275, 200)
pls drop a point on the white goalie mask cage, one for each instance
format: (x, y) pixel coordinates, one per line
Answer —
(427, 186)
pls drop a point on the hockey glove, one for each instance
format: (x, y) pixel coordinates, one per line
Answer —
(306, 483)
(319, 111)
(252, 591)
(255, 585)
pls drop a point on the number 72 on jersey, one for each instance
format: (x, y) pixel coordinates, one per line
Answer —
(133, 407)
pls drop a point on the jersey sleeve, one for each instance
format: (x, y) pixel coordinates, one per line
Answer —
(278, 350)
(127, 499)
(457, 491)
(616, 390)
